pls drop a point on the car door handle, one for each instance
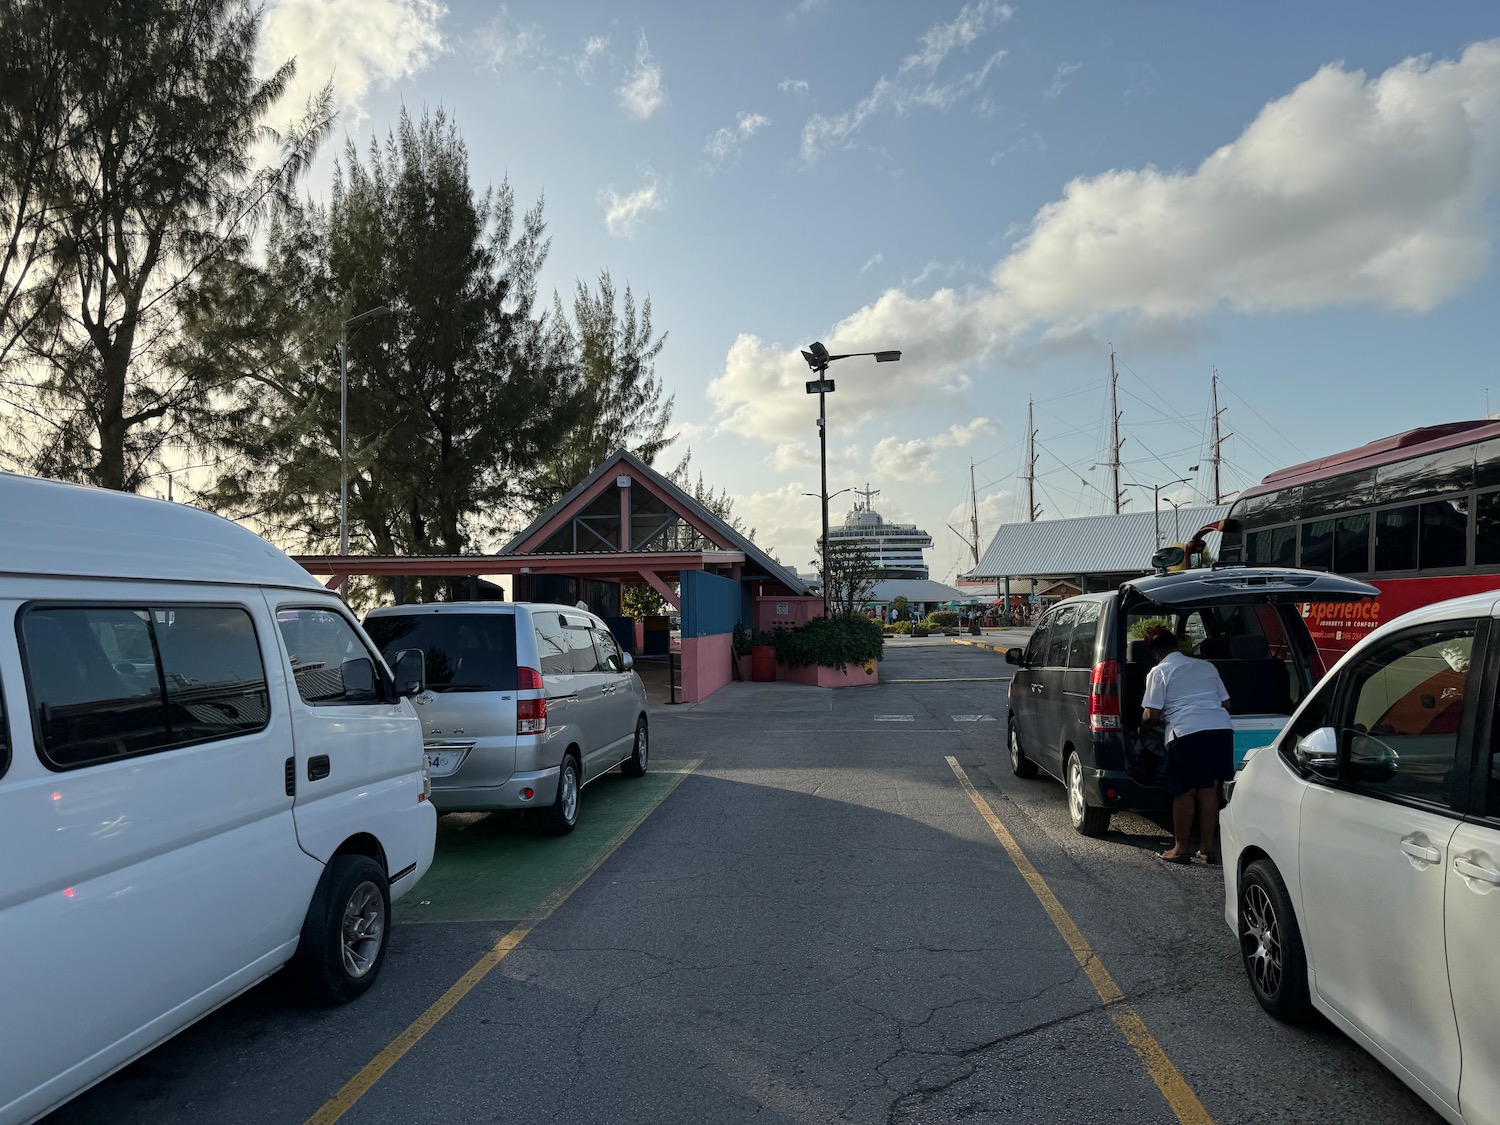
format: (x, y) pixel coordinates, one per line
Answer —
(1424, 852)
(609, 689)
(318, 768)
(1471, 870)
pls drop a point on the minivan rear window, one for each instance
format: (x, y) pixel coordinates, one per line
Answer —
(464, 651)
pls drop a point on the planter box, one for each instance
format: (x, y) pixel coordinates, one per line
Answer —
(855, 675)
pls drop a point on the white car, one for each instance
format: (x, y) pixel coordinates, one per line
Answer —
(1362, 856)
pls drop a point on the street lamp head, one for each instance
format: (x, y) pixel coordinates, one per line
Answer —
(887, 357)
(819, 352)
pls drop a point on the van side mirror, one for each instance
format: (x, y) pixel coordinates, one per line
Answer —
(1370, 760)
(1318, 753)
(1015, 656)
(411, 673)
(627, 662)
(358, 674)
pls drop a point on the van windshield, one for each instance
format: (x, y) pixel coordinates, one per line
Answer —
(464, 651)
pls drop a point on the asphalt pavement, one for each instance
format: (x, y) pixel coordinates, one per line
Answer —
(817, 922)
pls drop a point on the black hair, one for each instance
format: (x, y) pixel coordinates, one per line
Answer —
(1164, 640)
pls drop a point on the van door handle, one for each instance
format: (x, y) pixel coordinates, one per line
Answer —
(317, 768)
(1421, 851)
(1471, 870)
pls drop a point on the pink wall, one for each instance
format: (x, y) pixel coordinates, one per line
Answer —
(705, 665)
(771, 612)
(853, 675)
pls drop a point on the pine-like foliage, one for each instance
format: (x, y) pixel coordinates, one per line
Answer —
(128, 136)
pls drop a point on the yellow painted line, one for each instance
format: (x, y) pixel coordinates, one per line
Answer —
(371, 1073)
(1180, 1097)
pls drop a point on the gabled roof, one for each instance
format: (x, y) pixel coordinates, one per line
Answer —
(1120, 544)
(757, 561)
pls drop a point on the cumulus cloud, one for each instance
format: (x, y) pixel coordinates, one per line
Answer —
(358, 43)
(1060, 79)
(792, 86)
(965, 433)
(725, 144)
(791, 455)
(915, 84)
(912, 460)
(623, 213)
(1350, 189)
(643, 93)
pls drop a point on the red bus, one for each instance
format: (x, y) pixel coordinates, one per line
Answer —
(1416, 514)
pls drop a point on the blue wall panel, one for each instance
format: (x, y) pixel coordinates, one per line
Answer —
(710, 604)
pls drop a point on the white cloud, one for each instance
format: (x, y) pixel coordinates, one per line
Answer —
(725, 144)
(593, 47)
(792, 86)
(643, 93)
(1060, 79)
(503, 43)
(874, 260)
(912, 460)
(915, 85)
(965, 433)
(623, 213)
(1348, 190)
(358, 43)
(791, 455)
(804, 8)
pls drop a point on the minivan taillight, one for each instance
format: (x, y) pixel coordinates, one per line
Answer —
(531, 716)
(528, 679)
(1104, 696)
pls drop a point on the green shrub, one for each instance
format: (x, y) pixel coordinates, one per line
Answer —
(1140, 626)
(741, 639)
(943, 619)
(830, 642)
(902, 627)
(921, 631)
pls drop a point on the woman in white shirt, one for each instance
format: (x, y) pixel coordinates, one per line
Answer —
(1188, 695)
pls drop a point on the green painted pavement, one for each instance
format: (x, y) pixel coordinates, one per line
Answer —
(499, 867)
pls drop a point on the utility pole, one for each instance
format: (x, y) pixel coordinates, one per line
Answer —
(1114, 430)
(1214, 457)
(974, 510)
(1032, 511)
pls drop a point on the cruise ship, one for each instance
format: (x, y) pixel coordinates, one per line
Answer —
(895, 548)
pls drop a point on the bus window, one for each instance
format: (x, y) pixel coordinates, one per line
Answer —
(1396, 539)
(1276, 546)
(1487, 530)
(1351, 545)
(1448, 470)
(1317, 545)
(1445, 534)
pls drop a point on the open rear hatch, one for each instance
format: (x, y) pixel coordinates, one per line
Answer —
(1245, 585)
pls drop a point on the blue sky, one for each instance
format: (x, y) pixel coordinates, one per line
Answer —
(1301, 196)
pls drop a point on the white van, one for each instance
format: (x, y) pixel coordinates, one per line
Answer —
(206, 771)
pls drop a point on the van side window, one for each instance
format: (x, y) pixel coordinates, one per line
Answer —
(1399, 731)
(1085, 631)
(1036, 648)
(4, 736)
(1059, 638)
(609, 651)
(552, 645)
(580, 642)
(109, 682)
(318, 641)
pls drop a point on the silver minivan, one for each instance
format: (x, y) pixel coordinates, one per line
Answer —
(525, 703)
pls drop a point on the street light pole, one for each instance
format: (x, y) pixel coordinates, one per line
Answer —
(1156, 500)
(818, 359)
(378, 310)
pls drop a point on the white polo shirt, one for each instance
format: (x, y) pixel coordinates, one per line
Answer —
(1188, 693)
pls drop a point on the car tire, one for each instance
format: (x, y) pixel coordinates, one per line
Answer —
(1271, 944)
(345, 933)
(1020, 765)
(562, 815)
(635, 765)
(1087, 819)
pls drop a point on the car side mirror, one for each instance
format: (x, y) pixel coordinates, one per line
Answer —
(360, 686)
(627, 662)
(1318, 753)
(411, 673)
(1015, 656)
(1370, 760)
(1168, 557)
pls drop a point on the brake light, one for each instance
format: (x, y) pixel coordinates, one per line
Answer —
(1104, 696)
(531, 716)
(528, 679)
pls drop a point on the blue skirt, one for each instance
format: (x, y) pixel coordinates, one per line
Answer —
(1199, 761)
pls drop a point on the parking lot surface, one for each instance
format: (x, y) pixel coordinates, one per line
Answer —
(801, 914)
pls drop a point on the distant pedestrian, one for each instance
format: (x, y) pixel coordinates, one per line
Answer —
(1189, 697)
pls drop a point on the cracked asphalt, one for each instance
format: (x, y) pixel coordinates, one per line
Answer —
(815, 926)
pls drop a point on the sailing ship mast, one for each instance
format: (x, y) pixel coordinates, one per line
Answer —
(1214, 456)
(1114, 431)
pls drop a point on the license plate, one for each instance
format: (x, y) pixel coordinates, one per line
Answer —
(442, 763)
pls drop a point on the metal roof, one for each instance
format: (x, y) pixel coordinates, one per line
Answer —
(917, 590)
(1120, 544)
